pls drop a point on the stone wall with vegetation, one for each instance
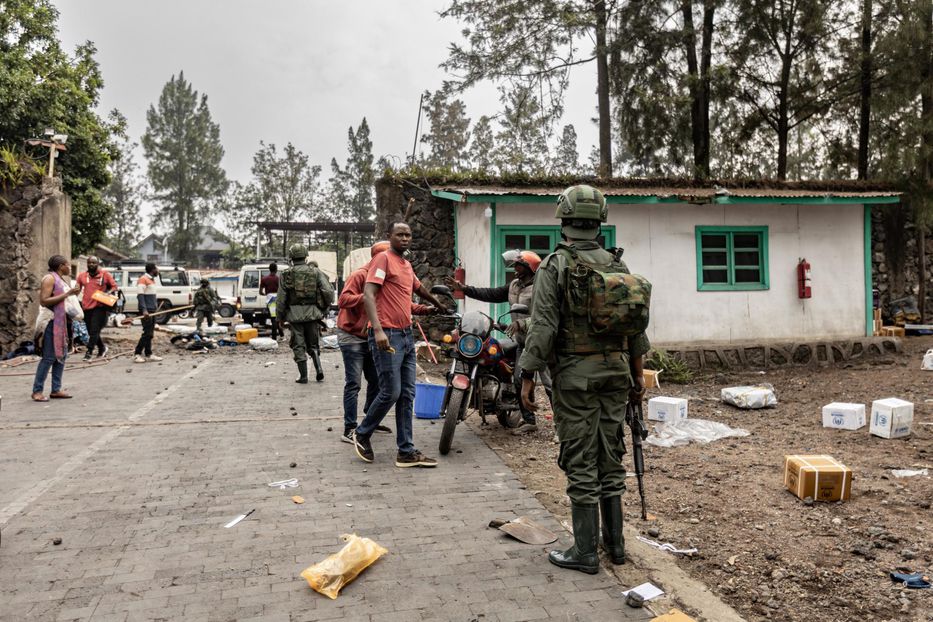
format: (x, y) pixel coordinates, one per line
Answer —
(896, 255)
(432, 225)
(35, 223)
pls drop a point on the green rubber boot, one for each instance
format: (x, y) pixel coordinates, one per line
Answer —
(610, 509)
(302, 372)
(582, 555)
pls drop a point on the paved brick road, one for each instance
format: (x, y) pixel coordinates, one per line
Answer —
(139, 473)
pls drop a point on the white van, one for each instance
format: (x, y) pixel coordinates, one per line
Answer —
(173, 288)
(251, 305)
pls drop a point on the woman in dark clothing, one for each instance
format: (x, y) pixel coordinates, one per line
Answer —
(52, 337)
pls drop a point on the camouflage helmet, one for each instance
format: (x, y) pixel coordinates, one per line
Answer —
(581, 209)
(297, 251)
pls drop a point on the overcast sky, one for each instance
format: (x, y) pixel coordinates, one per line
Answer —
(288, 70)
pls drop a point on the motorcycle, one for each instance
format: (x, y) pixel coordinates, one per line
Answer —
(481, 373)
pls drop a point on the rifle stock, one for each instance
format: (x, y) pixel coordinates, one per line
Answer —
(635, 420)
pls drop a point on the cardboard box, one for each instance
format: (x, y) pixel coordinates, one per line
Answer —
(844, 416)
(891, 418)
(822, 478)
(674, 615)
(651, 379)
(893, 331)
(667, 409)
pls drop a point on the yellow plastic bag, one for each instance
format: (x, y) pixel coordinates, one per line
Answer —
(329, 576)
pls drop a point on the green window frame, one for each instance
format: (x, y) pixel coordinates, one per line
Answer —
(732, 258)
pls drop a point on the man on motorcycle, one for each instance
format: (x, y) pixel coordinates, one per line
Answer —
(519, 291)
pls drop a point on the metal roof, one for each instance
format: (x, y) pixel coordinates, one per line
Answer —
(486, 194)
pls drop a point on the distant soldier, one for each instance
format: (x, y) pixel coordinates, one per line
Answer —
(205, 302)
(304, 296)
(588, 325)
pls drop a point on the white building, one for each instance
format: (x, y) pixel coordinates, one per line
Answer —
(723, 264)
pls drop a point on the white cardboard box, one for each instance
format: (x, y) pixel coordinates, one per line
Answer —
(844, 416)
(667, 409)
(891, 418)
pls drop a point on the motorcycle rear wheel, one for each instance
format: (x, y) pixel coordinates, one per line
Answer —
(454, 406)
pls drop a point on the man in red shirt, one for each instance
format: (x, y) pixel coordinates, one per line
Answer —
(387, 300)
(269, 287)
(95, 279)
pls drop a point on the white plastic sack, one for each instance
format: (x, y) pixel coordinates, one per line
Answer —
(180, 329)
(330, 342)
(263, 343)
(927, 364)
(216, 329)
(73, 308)
(241, 327)
(680, 433)
(760, 396)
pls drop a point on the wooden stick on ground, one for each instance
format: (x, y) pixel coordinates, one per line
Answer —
(129, 320)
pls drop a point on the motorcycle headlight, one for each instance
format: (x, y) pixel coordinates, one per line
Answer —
(470, 345)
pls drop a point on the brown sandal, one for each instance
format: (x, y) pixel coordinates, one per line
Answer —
(59, 395)
(38, 397)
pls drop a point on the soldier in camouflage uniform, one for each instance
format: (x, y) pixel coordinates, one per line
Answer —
(305, 294)
(205, 302)
(593, 376)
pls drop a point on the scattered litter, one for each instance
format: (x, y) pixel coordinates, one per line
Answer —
(759, 396)
(680, 433)
(667, 409)
(298, 499)
(293, 465)
(821, 477)
(330, 575)
(238, 519)
(916, 580)
(651, 378)
(524, 530)
(891, 418)
(674, 615)
(426, 351)
(216, 329)
(647, 591)
(329, 342)
(349, 505)
(263, 343)
(180, 329)
(285, 483)
(56, 541)
(844, 416)
(269, 364)
(667, 546)
(927, 364)
(909, 472)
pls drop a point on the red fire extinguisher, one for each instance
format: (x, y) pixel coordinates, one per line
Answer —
(459, 275)
(803, 279)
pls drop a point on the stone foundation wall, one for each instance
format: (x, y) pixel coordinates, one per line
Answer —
(35, 223)
(770, 355)
(432, 226)
(896, 256)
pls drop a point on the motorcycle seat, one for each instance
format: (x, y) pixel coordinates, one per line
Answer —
(508, 346)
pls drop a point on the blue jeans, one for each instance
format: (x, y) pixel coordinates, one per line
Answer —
(357, 363)
(396, 387)
(48, 362)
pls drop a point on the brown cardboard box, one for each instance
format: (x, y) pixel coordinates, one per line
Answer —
(674, 615)
(821, 477)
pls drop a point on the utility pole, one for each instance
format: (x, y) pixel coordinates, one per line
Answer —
(54, 142)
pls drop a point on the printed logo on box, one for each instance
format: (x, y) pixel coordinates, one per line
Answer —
(881, 419)
(838, 419)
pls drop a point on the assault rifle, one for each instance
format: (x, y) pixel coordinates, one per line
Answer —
(635, 420)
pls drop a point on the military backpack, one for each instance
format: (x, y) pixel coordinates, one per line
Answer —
(613, 302)
(304, 283)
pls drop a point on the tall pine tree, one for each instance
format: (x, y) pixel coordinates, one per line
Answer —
(125, 192)
(521, 141)
(352, 189)
(566, 159)
(482, 152)
(182, 146)
(448, 132)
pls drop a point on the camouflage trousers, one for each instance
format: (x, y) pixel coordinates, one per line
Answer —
(305, 338)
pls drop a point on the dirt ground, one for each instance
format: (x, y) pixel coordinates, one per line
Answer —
(762, 550)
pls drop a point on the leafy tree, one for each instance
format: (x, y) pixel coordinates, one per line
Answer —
(522, 143)
(43, 86)
(448, 134)
(353, 187)
(533, 45)
(284, 188)
(482, 151)
(783, 62)
(124, 193)
(182, 146)
(566, 158)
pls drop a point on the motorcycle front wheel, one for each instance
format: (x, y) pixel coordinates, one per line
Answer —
(454, 406)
